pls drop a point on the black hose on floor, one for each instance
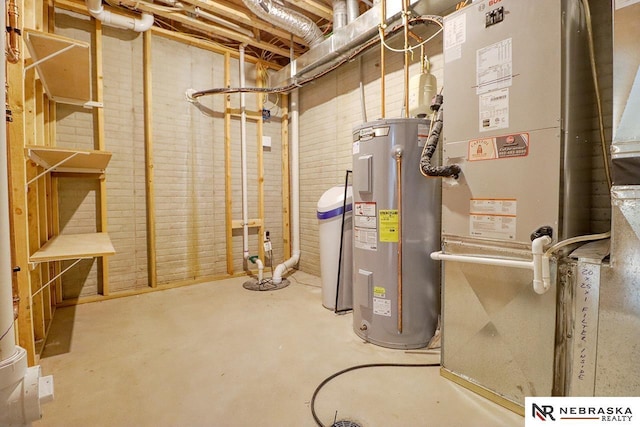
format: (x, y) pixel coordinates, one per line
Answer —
(353, 368)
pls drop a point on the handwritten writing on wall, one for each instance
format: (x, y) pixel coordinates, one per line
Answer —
(586, 325)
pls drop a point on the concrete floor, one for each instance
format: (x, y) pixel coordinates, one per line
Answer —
(216, 354)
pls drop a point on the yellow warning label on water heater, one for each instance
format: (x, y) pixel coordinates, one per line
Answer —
(379, 292)
(388, 225)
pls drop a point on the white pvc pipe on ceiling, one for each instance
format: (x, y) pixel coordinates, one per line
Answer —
(108, 18)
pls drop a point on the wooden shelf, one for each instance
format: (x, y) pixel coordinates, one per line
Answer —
(74, 246)
(66, 160)
(63, 66)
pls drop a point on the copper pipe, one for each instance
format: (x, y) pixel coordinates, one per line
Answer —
(398, 156)
(382, 27)
(12, 46)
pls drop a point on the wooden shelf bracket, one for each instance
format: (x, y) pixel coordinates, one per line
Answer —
(63, 65)
(56, 276)
(48, 168)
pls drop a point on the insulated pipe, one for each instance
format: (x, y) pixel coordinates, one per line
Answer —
(287, 19)
(537, 264)
(128, 23)
(295, 192)
(243, 158)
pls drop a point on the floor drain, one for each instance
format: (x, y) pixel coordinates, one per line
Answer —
(265, 285)
(345, 423)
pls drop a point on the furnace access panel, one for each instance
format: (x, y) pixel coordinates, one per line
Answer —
(517, 100)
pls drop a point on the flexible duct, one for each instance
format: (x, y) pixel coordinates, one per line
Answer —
(128, 23)
(286, 19)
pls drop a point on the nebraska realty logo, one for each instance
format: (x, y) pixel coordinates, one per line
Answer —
(586, 411)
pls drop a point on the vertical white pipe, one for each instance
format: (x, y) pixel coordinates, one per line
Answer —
(243, 157)
(295, 191)
(295, 175)
(7, 344)
(363, 106)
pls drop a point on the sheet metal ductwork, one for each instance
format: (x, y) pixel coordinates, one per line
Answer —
(286, 19)
(347, 39)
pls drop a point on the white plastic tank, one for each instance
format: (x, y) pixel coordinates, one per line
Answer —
(329, 213)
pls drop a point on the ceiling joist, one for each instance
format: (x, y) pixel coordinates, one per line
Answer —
(231, 11)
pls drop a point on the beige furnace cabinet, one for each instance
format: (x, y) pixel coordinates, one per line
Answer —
(517, 100)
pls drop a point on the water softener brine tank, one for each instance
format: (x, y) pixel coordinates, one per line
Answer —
(396, 225)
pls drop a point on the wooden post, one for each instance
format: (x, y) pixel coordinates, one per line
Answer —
(103, 269)
(55, 212)
(228, 214)
(43, 201)
(286, 204)
(19, 220)
(148, 153)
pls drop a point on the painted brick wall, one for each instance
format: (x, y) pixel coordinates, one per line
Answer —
(184, 153)
(188, 147)
(124, 137)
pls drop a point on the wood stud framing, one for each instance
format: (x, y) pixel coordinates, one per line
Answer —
(35, 215)
(103, 270)
(148, 155)
(286, 205)
(19, 220)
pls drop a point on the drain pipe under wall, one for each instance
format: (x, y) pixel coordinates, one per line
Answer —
(22, 389)
(295, 191)
(121, 21)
